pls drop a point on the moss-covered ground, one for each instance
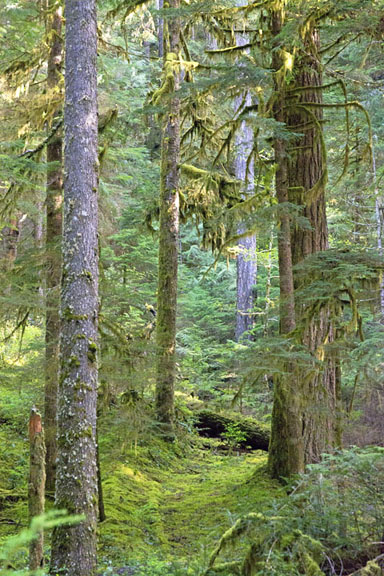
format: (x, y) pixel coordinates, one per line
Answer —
(166, 506)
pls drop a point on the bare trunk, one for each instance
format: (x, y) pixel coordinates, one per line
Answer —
(168, 241)
(53, 257)
(36, 487)
(379, 213)
(74, 547)
(160, 28)
(247, 257)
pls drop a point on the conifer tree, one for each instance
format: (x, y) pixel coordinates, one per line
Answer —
(74, 547)
(304, 423)
(169, 226)
(246, 259)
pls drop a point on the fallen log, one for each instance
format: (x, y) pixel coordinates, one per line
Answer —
(213, 425)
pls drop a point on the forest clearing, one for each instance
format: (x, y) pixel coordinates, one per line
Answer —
(191, 287)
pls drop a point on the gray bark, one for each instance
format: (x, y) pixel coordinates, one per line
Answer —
(379, 213)
(74, 547)
(247, 258)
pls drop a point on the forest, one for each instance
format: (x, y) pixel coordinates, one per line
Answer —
(191, 287)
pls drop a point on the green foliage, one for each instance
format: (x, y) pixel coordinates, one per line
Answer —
(332, 515)
(234, 436)
(14, 550)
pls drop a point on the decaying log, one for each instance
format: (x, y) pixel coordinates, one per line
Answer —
(213, 425)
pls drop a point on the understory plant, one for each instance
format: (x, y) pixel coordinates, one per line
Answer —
(330, 522)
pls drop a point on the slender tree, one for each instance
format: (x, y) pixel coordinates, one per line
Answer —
(36, 486)
(246, 259)
(53, 237)
(74, 547)
(169, 227)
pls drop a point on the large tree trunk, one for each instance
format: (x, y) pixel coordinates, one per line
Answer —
(286, 454)
(74, 547)
(305, 406)
(169, 237)
(53, 256)
(307, 178)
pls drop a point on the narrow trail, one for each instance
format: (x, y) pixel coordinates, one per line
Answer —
(205, 498)
(178, 507)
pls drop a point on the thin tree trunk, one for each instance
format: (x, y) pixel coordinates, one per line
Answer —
(268, 288)
(102, 515)
(168, 240)
(247, 257)
(74, 547)
(160, 28)
(379, 213)
(53, 256)
(36, 487)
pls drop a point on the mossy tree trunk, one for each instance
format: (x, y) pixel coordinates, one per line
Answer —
(74, 547)
(304, 423)
(169, 233)
(36, 487)
(286, 454)
(307, 179)
(53, 256)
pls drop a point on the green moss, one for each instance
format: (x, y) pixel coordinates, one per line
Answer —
(68, 314)
(178, 504)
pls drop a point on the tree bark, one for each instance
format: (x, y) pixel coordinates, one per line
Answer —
(53, 256)
(305, 422)
(286, 452)
(247, 258)
(307, 180)
(168, 238)
(74, 547)
(36, 487)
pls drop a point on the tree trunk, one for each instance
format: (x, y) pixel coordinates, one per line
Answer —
(168, 239)
(286, 453)
(102, 515)
(36, 487)
(307, 179)
(160, 28)
(53, 256)
(304, 422)
(379, 214)
(74, 547)
(247, 258)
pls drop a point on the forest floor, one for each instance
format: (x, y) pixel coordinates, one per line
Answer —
(166, 506)
(170, 505)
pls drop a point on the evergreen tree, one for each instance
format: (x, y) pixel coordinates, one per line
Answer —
(74, 547)
(169, 226)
